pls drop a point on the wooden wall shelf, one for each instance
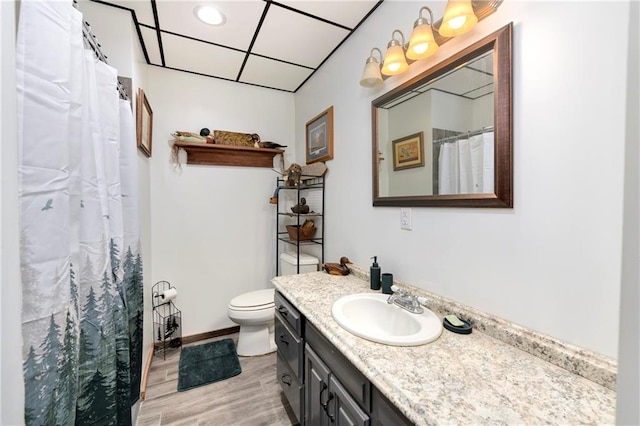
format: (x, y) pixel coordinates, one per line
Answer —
(228, 155)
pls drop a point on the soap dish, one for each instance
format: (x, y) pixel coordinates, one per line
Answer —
(464, 328)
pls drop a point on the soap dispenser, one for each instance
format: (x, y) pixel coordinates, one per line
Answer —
(374, 274)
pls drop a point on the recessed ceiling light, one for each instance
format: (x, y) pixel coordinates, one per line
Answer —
(209, 15)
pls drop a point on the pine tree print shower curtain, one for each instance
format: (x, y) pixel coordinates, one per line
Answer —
(80, 244)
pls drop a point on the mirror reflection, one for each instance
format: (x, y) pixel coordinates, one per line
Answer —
(444, 138)
(452, 115)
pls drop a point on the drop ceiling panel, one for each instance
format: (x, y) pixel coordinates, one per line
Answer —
(143, 10)
(464, 80)
(242, 18)
(297, 38)
(202, 58)
(292, 38)
(151, 44)
(347, 13)
(270, 73)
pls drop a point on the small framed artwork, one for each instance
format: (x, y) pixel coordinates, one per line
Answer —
(319, 137)
(408, 152)
(144, 123)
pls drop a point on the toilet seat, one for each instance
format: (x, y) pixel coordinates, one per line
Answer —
(253, 301)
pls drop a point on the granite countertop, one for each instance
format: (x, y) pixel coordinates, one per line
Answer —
(462, 379)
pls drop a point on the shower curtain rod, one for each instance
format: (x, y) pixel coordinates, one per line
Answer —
(465, 134)
(91, 40)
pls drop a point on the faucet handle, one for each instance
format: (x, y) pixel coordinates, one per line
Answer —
(422, 300)
(396, 289)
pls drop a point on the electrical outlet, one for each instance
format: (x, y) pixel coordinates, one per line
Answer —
(405, 219)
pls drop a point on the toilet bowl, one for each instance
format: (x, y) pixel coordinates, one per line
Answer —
(254, 313)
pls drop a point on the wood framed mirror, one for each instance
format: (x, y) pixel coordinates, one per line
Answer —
(463, 108)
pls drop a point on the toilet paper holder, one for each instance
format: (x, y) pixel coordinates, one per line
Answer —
(167, 318)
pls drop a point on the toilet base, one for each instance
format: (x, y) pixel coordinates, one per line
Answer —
(255, 340)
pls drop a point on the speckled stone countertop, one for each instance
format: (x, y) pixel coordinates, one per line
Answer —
(458, 379)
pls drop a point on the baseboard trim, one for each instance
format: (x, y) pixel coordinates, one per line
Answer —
(145, 373)
(210, 334)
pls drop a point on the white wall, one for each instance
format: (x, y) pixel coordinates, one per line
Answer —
(212, 227)
(628, 410)
(552, 263)
(11, 383)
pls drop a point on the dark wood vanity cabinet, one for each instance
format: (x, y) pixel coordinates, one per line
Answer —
(320, 383)
(326, 400)
(290, 360)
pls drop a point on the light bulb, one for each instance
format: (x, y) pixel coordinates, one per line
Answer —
(458, 22)
(209, 15)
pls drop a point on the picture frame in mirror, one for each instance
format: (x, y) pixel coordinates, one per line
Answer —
(408, 152)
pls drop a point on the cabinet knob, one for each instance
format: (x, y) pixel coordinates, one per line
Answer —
(283, 339)
(283, 311)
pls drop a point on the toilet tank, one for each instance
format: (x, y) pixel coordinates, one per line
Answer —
(289, 263)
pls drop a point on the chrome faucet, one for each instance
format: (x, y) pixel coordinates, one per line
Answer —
(406, 300)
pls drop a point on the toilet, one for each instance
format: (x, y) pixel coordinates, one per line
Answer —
(254, 313)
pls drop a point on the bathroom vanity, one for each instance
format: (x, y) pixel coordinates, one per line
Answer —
(320, 383)
(332, 376)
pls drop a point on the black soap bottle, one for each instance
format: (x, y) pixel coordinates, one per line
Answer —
(374, 274)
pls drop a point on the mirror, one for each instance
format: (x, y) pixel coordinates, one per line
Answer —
(444, 138)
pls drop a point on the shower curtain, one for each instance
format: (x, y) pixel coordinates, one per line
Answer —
(80, 244)
(466, 166)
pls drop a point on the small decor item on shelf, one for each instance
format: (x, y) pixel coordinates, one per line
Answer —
(223, 137)
(304, 232)
(292, 174)
(338, 268)
(274, 197)
(302, 208)
(206, 133)
(257, 143)
(314, 170)
(189, 137)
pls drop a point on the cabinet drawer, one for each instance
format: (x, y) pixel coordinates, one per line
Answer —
(351, 378)
(291, 387)
(290, 346)
(289, 313)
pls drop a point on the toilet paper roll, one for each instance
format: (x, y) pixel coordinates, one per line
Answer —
(168, 294)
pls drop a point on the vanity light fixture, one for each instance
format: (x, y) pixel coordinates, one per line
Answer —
(458, 18)
(209, 15)
(394, 60)
(422, 43)
(371, 75)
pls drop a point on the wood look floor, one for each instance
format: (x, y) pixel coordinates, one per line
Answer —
(251, 398)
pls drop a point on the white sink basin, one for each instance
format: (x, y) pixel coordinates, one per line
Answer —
(369, 316)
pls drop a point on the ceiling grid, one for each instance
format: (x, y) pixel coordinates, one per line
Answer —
(273, 44)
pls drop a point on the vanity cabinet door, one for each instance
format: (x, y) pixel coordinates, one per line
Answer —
(290, 345)
(316, 388)
(344, 411)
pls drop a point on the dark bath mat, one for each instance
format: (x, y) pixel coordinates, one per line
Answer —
(207, 363)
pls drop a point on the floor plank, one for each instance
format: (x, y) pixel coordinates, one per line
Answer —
(252, 398)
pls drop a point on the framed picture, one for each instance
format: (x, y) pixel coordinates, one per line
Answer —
(319, 137)
(408, 152)
(144, 123)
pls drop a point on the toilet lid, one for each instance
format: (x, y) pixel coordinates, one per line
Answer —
(258, 299)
